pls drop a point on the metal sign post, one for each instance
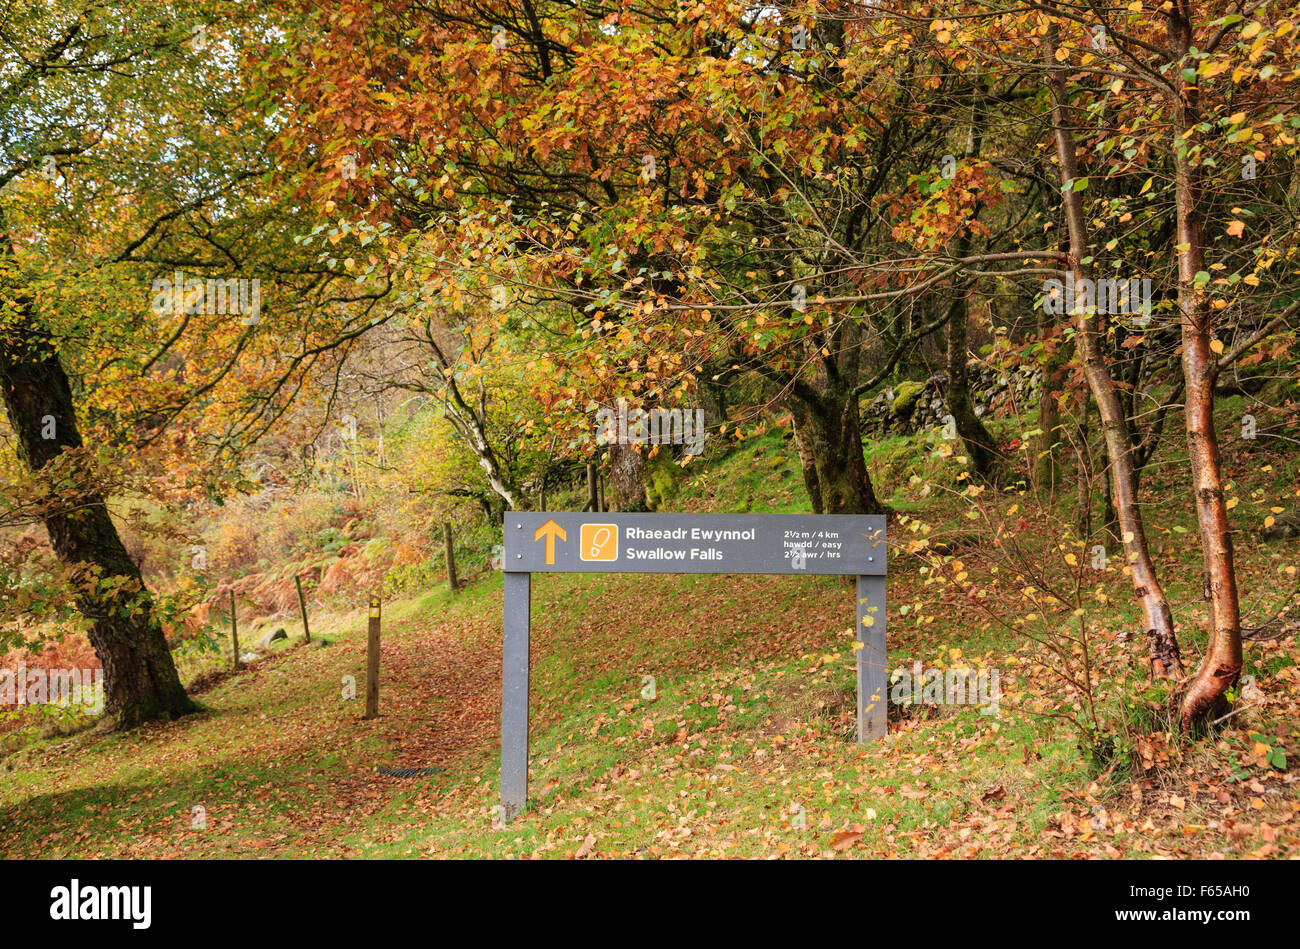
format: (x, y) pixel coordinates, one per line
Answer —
(685, 543)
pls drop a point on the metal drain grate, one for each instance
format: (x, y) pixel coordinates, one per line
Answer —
(410, 772)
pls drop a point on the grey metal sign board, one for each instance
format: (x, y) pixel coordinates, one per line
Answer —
(695, 543)
(684, 543)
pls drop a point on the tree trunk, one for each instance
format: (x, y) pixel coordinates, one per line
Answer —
(593, 500)
(713, 399)
(1044, 464)
(832, 437)
(471, 422)
(1221, 666)
(449, 543)
(807, 461)
(1086, 471)
(1110, 524)
(140, 679)
(1162, 646)
(627, 477)
(979, 444)
(975, 437)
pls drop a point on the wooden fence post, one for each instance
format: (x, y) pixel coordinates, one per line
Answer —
(372, 661)
(302, 605)
(234, 634)
(451, 556)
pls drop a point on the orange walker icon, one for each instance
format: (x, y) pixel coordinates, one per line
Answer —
(599, 542)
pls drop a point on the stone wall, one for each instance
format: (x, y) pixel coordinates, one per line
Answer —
(911, 406)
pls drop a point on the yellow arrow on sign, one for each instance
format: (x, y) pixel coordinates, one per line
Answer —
(550, 530)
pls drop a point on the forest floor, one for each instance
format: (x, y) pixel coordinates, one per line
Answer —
(745, 749)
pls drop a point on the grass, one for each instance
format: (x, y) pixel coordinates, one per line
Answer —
(743, 748)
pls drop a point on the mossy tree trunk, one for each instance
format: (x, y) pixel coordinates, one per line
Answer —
(140, 679)
(807, 460)
(979, 444)
(829, 434)
(1045, 464)
(627, 476)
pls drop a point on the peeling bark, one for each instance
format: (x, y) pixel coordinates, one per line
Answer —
(1221, 666)
(1165, 660)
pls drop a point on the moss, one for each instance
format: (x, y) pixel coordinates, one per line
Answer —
(663, 476)
(905, 397)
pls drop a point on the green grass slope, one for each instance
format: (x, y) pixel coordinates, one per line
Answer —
(744, 748)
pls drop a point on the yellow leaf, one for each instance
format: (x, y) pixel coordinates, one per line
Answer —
(1216, 346)
(1251, 29)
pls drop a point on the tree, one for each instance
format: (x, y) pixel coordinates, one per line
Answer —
(1158, 620)
(131, 150)
(59, 67)
(684, 184)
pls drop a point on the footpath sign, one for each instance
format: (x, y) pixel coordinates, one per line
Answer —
(685, 543)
